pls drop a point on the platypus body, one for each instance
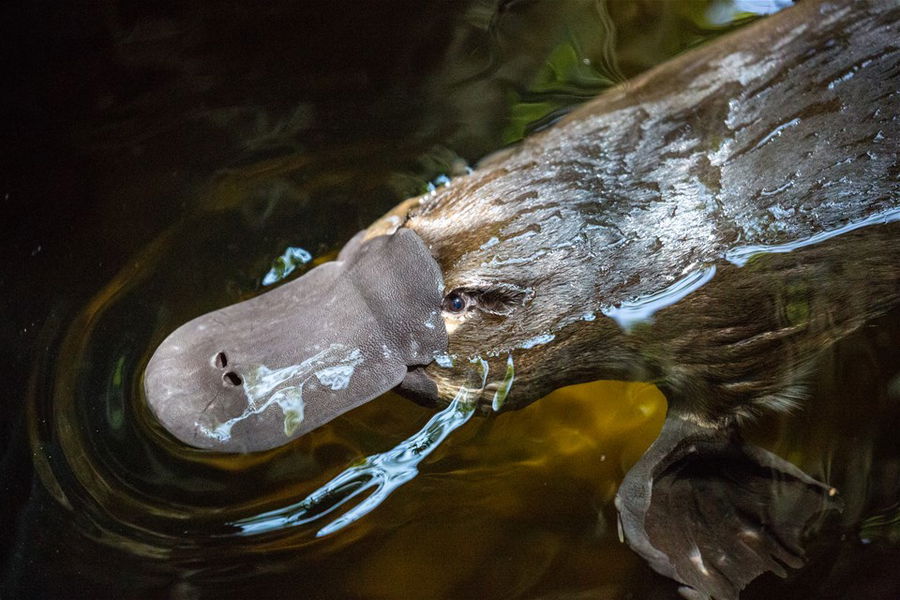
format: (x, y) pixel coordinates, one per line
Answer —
(710, 226)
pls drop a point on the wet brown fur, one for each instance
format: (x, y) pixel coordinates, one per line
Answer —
(783, 130)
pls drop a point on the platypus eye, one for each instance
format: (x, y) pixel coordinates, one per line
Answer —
(454, 302)
(499, 299)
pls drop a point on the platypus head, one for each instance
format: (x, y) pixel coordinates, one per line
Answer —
(476, 285)
(520, 246)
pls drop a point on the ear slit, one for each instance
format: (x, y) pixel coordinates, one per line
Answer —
(498, 298)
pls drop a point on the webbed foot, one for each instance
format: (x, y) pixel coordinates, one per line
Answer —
(712, 512)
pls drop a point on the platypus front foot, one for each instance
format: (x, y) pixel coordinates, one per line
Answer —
(714, 513)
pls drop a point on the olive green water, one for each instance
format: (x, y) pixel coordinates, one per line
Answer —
(180, 152)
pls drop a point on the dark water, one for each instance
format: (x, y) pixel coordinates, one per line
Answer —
(165, 156)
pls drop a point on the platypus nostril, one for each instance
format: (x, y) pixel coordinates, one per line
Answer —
(220, 360)
(232, 378)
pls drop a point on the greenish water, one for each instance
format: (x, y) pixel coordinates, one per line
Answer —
(168, 155)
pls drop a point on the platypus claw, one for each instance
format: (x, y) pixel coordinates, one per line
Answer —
(714, 513)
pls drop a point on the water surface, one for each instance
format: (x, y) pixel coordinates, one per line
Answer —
(167, 156)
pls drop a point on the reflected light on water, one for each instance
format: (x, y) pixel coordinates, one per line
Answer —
(384, 472)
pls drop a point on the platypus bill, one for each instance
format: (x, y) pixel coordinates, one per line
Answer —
(710, 227)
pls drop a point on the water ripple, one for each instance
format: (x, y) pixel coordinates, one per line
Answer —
(384, 472)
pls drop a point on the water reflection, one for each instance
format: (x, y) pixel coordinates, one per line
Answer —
(384, 472)
(641, 310)
(741, 255)
(285, 264)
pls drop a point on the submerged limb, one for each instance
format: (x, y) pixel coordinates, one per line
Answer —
(714, 513)
(382, 472)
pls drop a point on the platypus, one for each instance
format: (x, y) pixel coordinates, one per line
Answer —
(710, 226)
